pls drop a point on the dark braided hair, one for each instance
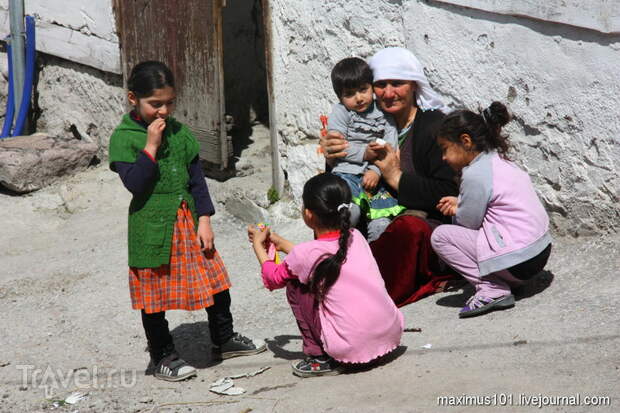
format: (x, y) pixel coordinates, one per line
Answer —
(484, 128)
(323, 195)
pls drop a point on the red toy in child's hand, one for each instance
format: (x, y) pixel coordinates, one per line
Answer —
(323, 119)
(324, 124)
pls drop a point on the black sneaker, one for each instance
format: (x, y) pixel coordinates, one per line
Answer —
(173, 368)
(316, 366)
(239, 345)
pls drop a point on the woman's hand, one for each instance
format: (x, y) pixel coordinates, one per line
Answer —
(447, 205)
(388, 162)
(333, 145)
(205, 234)
(370, 180)
(154, 134)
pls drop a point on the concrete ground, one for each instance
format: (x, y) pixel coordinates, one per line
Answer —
(67, 323)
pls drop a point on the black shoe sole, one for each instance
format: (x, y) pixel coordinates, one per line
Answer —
(239, 353)
(175, 378)
(305, 374)
(502, 304)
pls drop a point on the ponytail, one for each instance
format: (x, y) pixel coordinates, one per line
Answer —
(328, 197)
(484, 128)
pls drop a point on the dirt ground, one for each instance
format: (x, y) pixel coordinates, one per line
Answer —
(67, 322)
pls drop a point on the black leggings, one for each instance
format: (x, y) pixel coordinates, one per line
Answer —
(158, 333)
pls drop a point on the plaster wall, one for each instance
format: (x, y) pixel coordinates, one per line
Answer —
(600, 15)
(560, 81)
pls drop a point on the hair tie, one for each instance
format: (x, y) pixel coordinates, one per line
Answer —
(348, 206)
(486, 115)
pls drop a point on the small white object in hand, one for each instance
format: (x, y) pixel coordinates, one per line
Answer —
(380, 141)
(427, 346)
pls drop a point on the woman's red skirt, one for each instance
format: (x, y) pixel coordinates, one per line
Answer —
(407, 261)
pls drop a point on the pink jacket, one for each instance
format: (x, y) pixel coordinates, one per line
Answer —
(359, 320)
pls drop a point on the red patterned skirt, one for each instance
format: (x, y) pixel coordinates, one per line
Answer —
(189, 282)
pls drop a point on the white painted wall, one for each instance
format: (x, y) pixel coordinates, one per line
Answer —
(76, 30)
(561, 82)
(600, 15)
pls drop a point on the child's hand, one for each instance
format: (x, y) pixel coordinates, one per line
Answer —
(280, 243)
(447, 205)
(257, 236)
(373, 150)
(370, 180)
(205, 234)
(154, 134)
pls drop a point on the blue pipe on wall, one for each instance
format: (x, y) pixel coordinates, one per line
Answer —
(10, 107)
(28, 80)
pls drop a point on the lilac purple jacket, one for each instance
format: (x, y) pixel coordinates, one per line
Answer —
(498, 198)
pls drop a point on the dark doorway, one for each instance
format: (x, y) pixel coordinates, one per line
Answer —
(245, 76)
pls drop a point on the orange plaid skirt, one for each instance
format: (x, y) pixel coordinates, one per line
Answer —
(188, 282)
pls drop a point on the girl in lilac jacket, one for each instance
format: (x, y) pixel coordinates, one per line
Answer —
(501, 233)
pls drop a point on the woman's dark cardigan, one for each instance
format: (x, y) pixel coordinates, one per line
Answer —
(426, 178)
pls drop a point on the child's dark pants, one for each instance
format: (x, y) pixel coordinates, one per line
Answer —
(158, 334)
(306, 311)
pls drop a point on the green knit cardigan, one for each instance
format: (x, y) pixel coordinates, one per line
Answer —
(152, 214)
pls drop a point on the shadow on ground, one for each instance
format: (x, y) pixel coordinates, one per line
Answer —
(536, 285)
(194, 345)
(381, 361)
(276, 346)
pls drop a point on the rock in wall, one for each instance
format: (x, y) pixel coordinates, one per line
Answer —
(72, 99)
(560, 81)
(75, 98)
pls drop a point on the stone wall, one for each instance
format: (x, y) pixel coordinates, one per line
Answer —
(78, 88)
(72, 99)
(560, 81)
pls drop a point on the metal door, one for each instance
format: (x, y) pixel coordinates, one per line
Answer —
(187, 36)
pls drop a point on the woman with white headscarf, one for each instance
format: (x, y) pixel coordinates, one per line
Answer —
(415, 172)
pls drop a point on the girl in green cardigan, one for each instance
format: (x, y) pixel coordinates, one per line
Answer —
(172, 265)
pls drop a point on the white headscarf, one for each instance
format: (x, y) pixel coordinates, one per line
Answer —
(398, 63)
